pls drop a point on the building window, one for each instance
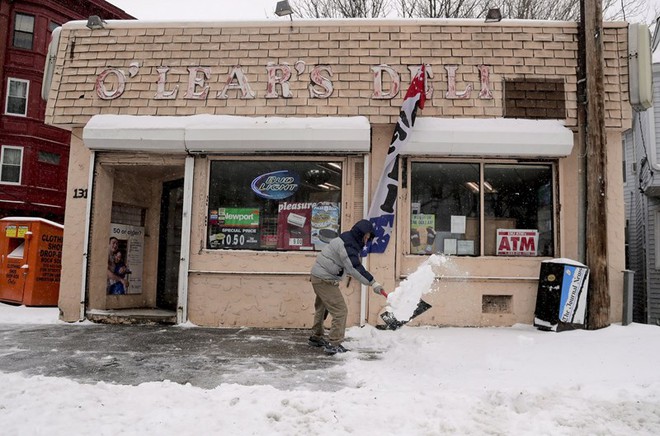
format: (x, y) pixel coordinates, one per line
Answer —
(23, 31)
(11, 160)
(49, 158)
(274, 205)
(447, 201)
(17, 97)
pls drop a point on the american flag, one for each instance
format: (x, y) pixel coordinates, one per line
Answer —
(383, 206)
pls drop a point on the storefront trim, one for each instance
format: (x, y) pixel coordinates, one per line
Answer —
(184, 262)
(86, 238)
(473, 278)
(227, 134)
(495, 137)
(264, 273)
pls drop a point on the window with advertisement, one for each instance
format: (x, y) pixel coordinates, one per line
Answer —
(459, 207)
(274, 204)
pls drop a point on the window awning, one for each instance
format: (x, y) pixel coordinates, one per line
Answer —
(227, 134)
(492, 137)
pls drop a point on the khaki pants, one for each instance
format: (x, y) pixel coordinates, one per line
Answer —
(329, 297)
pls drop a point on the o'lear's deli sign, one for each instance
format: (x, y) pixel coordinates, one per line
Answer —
(111, 82)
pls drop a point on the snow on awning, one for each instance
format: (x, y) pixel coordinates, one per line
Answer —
(224, 133)
(133, 133)
(506, 137)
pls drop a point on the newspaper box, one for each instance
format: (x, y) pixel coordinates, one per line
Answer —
(561, 301)
(30, 261)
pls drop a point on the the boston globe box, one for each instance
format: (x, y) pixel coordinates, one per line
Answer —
(561, 302)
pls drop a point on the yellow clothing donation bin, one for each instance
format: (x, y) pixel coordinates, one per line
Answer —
(30, 261)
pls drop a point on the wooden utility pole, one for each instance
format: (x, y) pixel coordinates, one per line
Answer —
(598, 307)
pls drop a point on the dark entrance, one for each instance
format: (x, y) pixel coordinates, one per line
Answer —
(169, 244)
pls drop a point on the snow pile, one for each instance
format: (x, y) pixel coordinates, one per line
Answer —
(10, 314)
(403, 300)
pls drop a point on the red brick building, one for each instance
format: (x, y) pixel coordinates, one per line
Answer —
(33, 156)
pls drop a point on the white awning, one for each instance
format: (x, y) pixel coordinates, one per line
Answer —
(227, 134)
(492, 137)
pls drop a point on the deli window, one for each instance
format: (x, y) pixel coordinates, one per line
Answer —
(274, 205)
(460, 208)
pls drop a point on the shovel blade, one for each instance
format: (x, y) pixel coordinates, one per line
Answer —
(391, 323)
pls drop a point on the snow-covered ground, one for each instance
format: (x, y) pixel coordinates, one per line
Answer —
(424, 381)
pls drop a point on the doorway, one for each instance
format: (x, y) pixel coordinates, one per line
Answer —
(169, 244)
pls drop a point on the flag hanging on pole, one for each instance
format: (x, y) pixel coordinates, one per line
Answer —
(383, 205)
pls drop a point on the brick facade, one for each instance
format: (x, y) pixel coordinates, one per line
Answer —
(541, 51)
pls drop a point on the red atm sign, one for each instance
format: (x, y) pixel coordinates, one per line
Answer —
(517, 242)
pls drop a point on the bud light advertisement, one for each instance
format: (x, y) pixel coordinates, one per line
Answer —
(277, 185)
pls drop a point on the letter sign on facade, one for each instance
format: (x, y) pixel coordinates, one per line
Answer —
(451, 85)
(161, 94)
(320, 85)
(236, 74)
(195, 81)
(274, 79)
(317, 79)
(395, 82)
(102, 90)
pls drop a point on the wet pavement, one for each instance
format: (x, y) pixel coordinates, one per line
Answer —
(203, 357)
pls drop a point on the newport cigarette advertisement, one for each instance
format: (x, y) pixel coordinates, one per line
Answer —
(234, 227)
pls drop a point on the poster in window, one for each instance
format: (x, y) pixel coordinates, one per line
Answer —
(294, 228)
(125, 259)
(325, 223)
(517, 242)
(422, 233)
(236, 227)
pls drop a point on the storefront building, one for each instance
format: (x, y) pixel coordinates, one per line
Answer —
(223, 156)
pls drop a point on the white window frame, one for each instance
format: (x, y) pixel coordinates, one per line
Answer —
(2, 164)
(27, 97)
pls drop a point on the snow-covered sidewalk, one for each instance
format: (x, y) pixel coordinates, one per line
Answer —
(422, 381)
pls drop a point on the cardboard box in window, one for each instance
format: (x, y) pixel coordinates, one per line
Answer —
(467, 244)
(491, 225)
(490, 228)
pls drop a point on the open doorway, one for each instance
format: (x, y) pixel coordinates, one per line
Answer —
(138, 203)
(169, 244)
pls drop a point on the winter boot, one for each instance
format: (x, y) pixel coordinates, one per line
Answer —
(334, 349)
(317, 341)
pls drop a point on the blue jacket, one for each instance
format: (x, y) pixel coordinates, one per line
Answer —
(342, 256)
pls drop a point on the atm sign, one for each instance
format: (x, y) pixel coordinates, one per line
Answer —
(517, 242)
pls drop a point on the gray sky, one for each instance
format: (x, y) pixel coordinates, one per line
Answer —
(220, 10)
(190, 10)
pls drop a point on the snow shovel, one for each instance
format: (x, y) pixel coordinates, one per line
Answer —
(391, 323)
